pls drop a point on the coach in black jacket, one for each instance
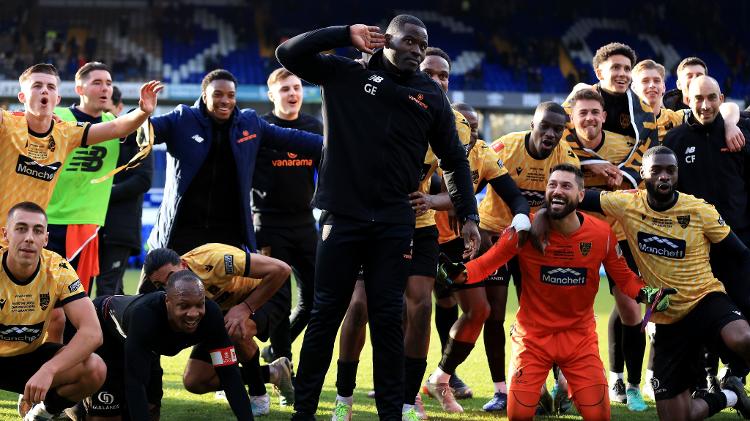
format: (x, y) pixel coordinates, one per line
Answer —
(378, 119)
(708, 171)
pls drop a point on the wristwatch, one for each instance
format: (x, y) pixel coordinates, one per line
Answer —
(470, 217)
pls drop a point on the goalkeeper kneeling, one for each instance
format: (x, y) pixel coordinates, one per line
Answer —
(555, 320)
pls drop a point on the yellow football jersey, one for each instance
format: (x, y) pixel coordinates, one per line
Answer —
(25, 306)
(667, 120)
(671, 247)
(30, 161)
(431, 163)
(616, 149)
(529, 173)
(224, 271)
(485, 165)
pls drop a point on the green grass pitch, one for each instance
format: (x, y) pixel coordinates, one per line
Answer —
(178, 404)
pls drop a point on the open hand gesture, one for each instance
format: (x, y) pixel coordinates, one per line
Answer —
(366, 38)
(149, 92)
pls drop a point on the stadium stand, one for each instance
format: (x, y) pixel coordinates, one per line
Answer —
(491, 42)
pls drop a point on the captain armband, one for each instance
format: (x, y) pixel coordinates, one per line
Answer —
(223, 356)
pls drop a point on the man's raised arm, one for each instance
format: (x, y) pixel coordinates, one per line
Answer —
(302, 56)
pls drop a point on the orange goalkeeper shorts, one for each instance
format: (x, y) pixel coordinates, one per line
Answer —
(576, 351)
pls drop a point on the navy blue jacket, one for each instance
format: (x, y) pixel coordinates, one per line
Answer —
(187, 133)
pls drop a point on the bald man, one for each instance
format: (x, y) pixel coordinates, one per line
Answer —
(709, 171)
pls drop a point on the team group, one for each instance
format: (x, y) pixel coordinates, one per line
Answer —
(593, 182)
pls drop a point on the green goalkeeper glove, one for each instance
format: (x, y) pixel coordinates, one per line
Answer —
(648, 295)
(450, 273)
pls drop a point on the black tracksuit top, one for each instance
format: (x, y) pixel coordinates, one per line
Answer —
(720, 178)
(377, 128)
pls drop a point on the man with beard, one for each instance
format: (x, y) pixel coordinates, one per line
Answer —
(555, 320)
(596, 147)
(671, 233)
(529, 155)
(379, 119)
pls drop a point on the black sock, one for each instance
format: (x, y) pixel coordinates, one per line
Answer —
(55, 403)
(711, 363)
(494, 346)
(265, 373)
(633, 348)
(252, 377)
(414, 369)
(346, 378)
(614, 340)
(716, 401)
(455, 353)
(444, 320)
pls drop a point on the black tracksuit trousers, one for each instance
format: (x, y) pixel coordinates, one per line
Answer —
(384, 250)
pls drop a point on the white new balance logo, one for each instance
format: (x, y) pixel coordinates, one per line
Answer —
(197, 138)
(690, 149)
(564, 271)
(661, 241)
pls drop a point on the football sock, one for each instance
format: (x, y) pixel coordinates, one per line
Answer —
(346, 378)
(494, 346)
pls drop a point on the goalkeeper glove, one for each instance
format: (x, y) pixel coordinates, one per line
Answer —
(450, 273)
(648, 295)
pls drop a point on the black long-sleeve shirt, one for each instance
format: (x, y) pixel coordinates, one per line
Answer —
(140, 322)
(123, 223)
(284, 182)
(378, 125)
(720, 178)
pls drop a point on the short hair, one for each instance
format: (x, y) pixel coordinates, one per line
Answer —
(551, 106)
(613, 49)
(157, 258)
(45, 68)
(116, 96)
(398, 23)
(462, 106)
(184, 275)
(657, 150)
(571, 169)
(435, 51)
(278, 75)
(650, 65)
(28, 207)
(218, 74)
(89, 67)
(692, 61)
(587, 94)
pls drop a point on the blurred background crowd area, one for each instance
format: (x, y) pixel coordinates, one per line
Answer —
(508, 46)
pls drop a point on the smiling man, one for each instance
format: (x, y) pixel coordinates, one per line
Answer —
(671, 233)
(162, 323)
(379, 118)
(555, 319)
(283, 186)
(212, 149)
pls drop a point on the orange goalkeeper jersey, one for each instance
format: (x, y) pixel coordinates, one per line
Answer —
(559, 286)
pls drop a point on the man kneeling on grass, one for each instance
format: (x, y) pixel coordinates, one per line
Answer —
(161, 323)
(555, 320)
(244, 285)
